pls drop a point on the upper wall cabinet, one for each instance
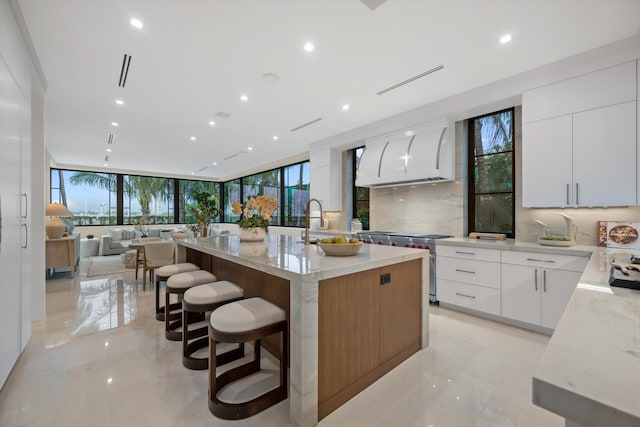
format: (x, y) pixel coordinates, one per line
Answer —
(613, 85)
(326, 178)
(581, 150)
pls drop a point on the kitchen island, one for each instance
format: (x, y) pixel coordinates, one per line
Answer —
(351, 319)
(590, 372)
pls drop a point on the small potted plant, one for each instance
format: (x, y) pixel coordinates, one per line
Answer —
(205, 210)
(89, 236)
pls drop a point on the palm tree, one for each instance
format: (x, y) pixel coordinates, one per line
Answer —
(142, 188)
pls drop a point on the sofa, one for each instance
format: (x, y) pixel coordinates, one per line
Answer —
(117, 240)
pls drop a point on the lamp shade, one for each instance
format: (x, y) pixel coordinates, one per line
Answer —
(57, 209)
(55, 227)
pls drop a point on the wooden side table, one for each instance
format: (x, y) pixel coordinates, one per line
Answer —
(63, 252)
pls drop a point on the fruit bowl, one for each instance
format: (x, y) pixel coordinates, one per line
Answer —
(340, 249)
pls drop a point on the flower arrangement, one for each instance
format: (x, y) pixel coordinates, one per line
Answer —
(256, 212)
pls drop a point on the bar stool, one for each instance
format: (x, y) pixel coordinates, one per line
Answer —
(178, 284)
(242, 321)
(201, 299)
(162, 274)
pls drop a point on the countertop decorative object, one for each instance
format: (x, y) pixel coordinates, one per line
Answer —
(567, 239)
(337, 249)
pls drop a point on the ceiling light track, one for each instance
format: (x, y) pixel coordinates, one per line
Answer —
(397, 85)
(304, 125)
(124, 72)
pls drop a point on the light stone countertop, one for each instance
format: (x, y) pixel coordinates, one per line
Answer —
(512, 245)
(286, 256)
(590, 371)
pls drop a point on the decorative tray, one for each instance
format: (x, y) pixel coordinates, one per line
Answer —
(564, 243)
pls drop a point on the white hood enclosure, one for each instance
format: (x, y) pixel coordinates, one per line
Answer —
(412, 156)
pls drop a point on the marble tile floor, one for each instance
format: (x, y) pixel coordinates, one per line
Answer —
(100, 359)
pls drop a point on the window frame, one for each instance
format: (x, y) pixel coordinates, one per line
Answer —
(471, 162)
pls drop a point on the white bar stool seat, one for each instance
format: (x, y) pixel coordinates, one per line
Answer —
(162, 274)
(242, 321)
(178, 284)
(197, 301)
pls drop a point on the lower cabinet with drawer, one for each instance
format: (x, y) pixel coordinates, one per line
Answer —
(469, 278)
(536, 287)
(474, 297)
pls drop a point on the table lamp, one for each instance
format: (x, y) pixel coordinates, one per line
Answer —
(55, 227)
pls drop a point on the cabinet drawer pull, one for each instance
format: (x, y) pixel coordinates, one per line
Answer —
(541, 260)
(466, 296)
(465, 253)
(465, 271)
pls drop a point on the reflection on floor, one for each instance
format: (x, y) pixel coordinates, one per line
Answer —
(101, 359)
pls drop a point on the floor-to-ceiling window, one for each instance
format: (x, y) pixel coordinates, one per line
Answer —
(296, 194)
(360, 194)
(491, 173)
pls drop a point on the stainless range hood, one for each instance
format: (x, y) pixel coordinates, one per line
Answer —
(412, 156)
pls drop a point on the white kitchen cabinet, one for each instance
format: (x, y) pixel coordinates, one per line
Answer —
(534, 289)
(10, 221)
(547, 166)
(478, 298)
(469, 277)
(582, 159)
(609, 86)
(604, 161)
(326, 178)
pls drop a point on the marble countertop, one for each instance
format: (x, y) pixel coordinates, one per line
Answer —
(590, 372)
(513, 245)
(286, 256)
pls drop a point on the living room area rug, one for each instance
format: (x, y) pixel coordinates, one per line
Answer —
(104, 265)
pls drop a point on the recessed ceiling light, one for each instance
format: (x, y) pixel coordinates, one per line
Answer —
(119, 102)
(106, 343)
(193, 138)
(109, 380)
(505, 39)
(250, 148)
(244, 98)
(108, 150)
(275, 137)
(309, 47)
(345, 107)
(136, 23)
(212, 123)
(215, 163)
(114, 123)
(193, 173)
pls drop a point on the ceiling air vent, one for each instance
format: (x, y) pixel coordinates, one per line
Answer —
(110, 139)
(304, 125)
(126, 61)
(409, 80)
(222, 115)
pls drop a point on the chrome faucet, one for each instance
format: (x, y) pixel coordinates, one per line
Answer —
(307, 217)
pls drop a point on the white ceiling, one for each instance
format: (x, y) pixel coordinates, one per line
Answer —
(194, 58)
